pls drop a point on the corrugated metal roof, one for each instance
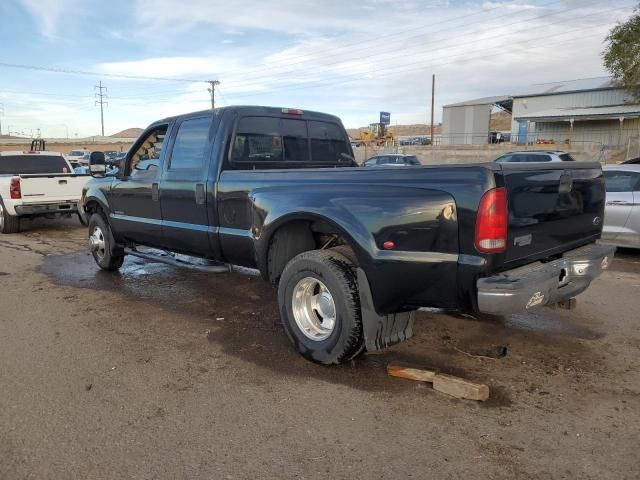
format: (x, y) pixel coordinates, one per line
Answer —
(579, 85)
(608, 111)
(482, 101)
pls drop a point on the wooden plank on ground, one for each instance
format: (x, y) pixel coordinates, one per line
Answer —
(411, 373)
(460, 388)
(449, 384)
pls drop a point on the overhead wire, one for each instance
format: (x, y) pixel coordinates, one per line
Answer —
(377, 57)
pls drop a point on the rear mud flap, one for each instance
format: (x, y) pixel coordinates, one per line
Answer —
(381, 331)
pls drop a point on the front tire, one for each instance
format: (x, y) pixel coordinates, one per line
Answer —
(8, 223)
(320, 306)
(102, 244)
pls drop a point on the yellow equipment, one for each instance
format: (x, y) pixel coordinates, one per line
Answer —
(377, 135)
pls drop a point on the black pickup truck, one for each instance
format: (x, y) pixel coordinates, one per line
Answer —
(353, 251)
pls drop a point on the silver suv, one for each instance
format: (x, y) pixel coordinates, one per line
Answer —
(535, 156)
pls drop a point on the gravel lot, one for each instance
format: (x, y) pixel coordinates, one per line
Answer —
(164, 373)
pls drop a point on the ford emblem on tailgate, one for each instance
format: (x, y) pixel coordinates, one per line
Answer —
(596, 221)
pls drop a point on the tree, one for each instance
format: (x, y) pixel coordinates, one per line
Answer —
(622, 54)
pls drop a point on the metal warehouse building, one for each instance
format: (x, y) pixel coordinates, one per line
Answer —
(590, 111)
(467, 123)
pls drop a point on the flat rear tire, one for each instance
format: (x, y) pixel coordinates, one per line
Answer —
(320, 306)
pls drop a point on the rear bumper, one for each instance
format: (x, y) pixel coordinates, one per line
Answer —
(46, 208)
(539, 284)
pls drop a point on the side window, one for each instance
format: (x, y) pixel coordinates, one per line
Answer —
(619, 181)
(539, 158)
(145, 161)
(371, 161)
(565, 157)
(504, 159)
(327, 142)
(191, 144)
(257, 140)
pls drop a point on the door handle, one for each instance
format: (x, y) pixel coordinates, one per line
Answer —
(199, 194)
(154, 192)
(619, 202)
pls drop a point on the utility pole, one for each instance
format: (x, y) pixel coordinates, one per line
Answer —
(100, 100)
(1, 114)
(212, 90)
(433, 94)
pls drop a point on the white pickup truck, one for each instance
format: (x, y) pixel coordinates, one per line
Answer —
(36, 184)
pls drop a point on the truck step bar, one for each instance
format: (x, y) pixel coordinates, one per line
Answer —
(176, 260)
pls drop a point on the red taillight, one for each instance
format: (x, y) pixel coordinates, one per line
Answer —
(491, 223)
(388, 245)
(14, 188)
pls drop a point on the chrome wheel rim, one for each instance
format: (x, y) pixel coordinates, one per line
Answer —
(313, 309)
(97, 243)
(1, 217)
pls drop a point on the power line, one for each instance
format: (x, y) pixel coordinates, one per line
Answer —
(377, 57)
(187, 80)
(393, 70)
(421, 62)
(420, 68)
(101, 101)
(368, 42)
(95, 74)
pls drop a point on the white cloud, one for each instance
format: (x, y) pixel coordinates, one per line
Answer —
(48, 13)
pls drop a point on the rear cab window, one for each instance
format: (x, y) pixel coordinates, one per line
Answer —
(33, 164)
(262, 142)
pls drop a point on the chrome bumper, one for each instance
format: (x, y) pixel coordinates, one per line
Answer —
(46, 208)
(538, 284)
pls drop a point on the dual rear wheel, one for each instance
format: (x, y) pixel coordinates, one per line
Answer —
(320, 306)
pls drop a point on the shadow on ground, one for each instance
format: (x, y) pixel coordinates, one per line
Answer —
(241, 315)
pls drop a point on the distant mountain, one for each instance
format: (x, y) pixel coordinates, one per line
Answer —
(128, 133)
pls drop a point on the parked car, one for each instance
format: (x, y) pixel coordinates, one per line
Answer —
(36, 184)
(622, 213)
(74, 156)
(632, 161)
(353, 251)
(110, 155)
(535, 156)
(391, 160)
(84, 160)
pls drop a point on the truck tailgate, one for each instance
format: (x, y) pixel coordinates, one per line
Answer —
(553, 207)
(51, 188)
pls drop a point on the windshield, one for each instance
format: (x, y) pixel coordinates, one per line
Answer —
(31, 164)
(76, 153)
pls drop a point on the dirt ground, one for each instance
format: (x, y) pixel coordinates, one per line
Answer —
(163, 373)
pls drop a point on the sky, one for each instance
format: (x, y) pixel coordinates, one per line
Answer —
(345, 57)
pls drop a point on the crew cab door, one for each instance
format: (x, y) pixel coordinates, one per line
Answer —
(135, 200)
(623, 193)
(183, 190)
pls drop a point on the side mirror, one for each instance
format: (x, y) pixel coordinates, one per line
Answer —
(97, 164)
